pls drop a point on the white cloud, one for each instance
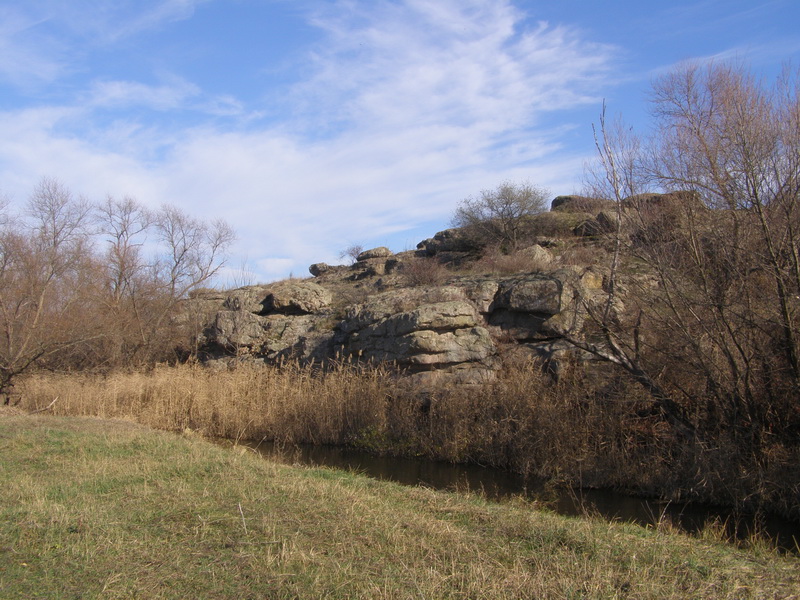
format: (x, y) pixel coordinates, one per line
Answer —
(410, 107)
(131, 93)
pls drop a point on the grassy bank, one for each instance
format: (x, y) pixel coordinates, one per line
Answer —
(93, 508)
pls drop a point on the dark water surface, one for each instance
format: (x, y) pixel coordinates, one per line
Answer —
(496, 484)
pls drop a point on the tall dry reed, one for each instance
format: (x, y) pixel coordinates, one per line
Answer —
(581, 430)
(288, 404)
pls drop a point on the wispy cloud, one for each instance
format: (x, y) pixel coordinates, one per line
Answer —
(169, 96)
(466, 63)
(131, 17)
(405, 108)
(27, 56)
(108, 22)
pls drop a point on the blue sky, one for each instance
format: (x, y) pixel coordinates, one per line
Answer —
(311, 125)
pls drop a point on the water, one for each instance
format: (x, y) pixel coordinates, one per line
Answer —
(496, 484)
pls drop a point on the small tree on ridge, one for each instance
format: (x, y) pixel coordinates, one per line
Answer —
(498, 216)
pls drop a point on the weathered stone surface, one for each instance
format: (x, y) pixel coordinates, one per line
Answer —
(248, 299)
(459, 346)
(449, 240)
(234, 329)
(296, 297)
(371, 267)
(536, 294)
(271, 336)
(607, 221)
(439, 316)
(380, 252)
(588, 228)
(582, 204)
(426, 348)
(537, 254)
(481, 293)
(318, 269)
(383, 305)
(441, 333)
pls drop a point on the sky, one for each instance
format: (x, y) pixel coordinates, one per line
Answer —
(314, 125)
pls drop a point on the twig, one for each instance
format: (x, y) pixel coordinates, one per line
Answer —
(244, 524)
(33, 412)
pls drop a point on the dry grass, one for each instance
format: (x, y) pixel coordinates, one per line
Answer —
(424, 271)
(91, 509)
(522, 422)
(584, 430)
(288, 404)
(496, 262)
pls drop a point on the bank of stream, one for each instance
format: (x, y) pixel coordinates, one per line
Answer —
(497, 484)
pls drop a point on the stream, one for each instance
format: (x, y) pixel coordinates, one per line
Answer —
(496, 484)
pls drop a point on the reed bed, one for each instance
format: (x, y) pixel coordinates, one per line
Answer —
(567, 431)
(289, 404)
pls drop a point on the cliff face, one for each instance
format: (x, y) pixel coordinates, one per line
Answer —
(442, 311)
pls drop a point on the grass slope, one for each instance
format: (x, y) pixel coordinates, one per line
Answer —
(95, 508)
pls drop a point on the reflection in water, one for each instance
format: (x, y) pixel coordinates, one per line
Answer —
(496, 484)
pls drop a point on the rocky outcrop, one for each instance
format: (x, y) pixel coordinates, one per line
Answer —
(456, 327)
(432, 335)
(452, 329)
(447, 241)
(380, 252)
(296, 297)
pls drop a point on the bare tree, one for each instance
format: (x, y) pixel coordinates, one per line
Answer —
(64, 304)
(618, 175)
(710, 320)
(144, 293)
(43, 258)
(498, 216)
(351, 252)
(734, 142)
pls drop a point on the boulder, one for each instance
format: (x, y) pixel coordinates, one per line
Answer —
(296, 297)
(233, 330)
(368, 267)
(427, 348)
(588, 228)
(537, 294)
(437, 334)
(380, 252)
(581, 204)
(537, 254)
(269, 337)
(540, 306)
(482, 293)
(435, 317)
(607, 220)
(318, 269)
(449, 240)
(247, 299)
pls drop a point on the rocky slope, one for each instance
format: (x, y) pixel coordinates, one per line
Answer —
(444, 310)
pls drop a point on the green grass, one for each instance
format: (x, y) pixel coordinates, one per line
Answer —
(105, 509)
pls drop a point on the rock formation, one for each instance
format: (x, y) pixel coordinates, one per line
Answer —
(374, 311)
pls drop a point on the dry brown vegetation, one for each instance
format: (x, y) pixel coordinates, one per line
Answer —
(582, 430)
(87, 286)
